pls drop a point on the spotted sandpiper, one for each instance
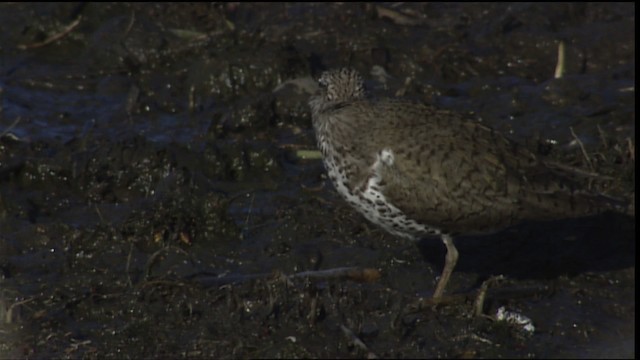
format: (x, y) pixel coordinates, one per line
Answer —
(419, 171)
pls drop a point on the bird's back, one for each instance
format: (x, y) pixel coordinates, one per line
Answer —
(453, 173)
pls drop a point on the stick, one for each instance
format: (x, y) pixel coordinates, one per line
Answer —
(6, 131)
(52, 38)
(348, 273)
(560, 65)
(357, 342)
(584, 151)
(605, 144)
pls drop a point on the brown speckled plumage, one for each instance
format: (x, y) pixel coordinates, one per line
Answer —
(417, 170)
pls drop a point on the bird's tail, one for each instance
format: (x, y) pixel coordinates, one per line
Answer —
(591, 202)
(602, 203)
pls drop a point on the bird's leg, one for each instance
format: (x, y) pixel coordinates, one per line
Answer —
(450, 262)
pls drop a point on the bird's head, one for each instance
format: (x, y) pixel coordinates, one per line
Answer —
(341, 85)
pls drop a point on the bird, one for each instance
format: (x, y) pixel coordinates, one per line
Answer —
(419, 171)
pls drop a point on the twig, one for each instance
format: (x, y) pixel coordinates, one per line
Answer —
(577, 171)
(102, 220)
(357, 342)
(6, 131)
(605, 144)
(132, 20)
(396, 16)
(192, 98)
(632, 149)
(52, 38)
(155, 255)
(584, 151)
(313, 188)
(560, 65)
(473, 337)
(246, 222)
(129, 282)
(308, 154)
(9, 313)
(424, 303)
(349, 273)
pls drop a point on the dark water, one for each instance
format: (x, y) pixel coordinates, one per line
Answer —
(144, 148)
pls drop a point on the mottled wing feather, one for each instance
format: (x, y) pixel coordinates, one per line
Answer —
(459, 175)
(450, 172)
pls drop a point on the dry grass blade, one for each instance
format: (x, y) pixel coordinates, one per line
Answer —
(54, 37)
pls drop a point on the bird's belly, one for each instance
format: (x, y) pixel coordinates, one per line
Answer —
(371, 202)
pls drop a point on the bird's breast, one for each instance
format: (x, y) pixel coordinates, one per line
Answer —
(367, 195)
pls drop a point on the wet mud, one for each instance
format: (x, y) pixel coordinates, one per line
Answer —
(160, 196)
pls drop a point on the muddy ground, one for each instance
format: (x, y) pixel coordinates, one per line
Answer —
(156, 197)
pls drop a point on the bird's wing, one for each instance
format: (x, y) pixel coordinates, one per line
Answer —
(463, 176)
